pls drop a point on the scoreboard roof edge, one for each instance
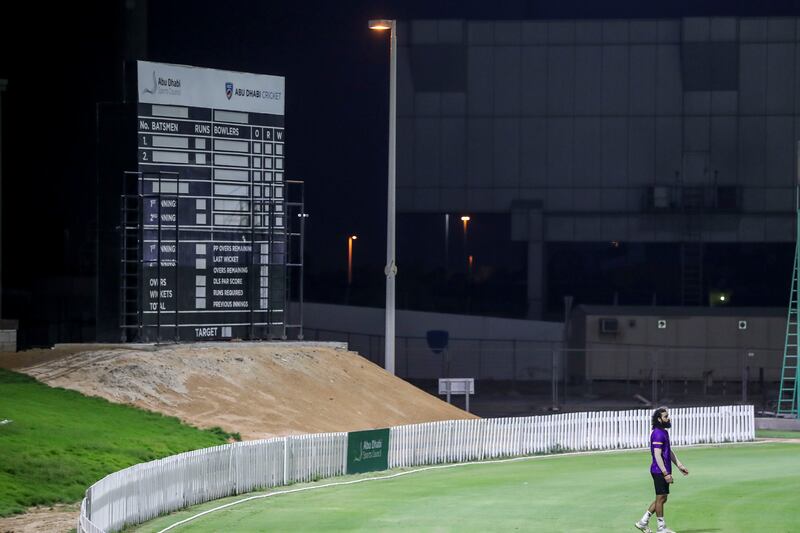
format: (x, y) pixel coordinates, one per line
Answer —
(184, 85)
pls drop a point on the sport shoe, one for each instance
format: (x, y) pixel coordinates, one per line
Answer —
(641, 526)
(665, 530)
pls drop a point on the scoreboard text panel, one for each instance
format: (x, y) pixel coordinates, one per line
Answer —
(211, 148)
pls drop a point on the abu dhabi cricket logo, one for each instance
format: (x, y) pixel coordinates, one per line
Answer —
(228, 89)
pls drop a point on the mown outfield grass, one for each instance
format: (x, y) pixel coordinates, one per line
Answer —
(777, 434)
(59, 442)
(742, 488)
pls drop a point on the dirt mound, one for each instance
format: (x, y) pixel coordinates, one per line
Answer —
(260, 390)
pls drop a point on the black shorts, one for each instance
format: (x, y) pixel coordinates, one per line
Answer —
(662, 487)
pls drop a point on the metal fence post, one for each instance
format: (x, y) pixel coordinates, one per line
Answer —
(654, 371)
(407, 356)
(480, 358)
(514, 365)
(745, 379)
(554, 379)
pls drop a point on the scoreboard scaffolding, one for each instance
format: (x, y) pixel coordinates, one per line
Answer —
(210, 207)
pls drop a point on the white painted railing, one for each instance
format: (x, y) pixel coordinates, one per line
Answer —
(472, 440)
(145, 491)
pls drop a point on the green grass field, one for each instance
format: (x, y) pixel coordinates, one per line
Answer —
(743, 488)
(777, 434)
(59, 442)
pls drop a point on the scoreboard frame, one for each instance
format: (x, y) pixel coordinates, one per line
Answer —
(208, 237)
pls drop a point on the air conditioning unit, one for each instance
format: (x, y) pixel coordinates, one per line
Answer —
(609, 326)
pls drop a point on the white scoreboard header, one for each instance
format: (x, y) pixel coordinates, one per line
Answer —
(163, 83)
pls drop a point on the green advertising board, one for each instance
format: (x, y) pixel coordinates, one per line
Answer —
(367, 451)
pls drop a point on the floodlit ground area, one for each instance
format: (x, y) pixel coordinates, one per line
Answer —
(265, 390)
(260, 390)
(740, 488)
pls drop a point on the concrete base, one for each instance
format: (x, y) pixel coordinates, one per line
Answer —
(786, 424)
(8, 336)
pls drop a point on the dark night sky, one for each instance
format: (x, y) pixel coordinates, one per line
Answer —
(62, 60)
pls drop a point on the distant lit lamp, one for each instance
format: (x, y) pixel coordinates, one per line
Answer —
(719, 298)
(350, 240)
(391, 268)
(465, 221)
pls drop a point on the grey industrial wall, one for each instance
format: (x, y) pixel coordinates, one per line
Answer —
(481, 347)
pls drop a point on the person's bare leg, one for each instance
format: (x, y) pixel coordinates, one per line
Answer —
(661, 499)
(642, 524)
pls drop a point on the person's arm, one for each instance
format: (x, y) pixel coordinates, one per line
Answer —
(660, 462)
(680, 466)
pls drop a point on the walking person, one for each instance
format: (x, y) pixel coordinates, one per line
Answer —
(660, 469)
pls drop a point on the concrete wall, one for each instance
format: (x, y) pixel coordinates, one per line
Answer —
(8, 335)
(8, 340)
(480, 347)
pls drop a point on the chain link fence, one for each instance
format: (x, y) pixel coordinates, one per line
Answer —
(618, 375)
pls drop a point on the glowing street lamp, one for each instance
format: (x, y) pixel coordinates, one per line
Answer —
(391, 268)
(465, 220)
(350, 240)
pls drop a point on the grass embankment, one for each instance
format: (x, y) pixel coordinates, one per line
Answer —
(59, 442)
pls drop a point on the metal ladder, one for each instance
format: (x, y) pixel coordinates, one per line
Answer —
(130, 229)
(787, 393)
(295, 245)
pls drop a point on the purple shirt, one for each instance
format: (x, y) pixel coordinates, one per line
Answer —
(659, 438)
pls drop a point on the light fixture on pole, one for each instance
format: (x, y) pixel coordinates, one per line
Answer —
(350, 240)
(465, 220)
(391, 267)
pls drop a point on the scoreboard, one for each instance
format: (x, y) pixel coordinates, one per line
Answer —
(212, 202)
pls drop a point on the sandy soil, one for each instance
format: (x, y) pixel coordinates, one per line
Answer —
(260, 390)
(50, 519)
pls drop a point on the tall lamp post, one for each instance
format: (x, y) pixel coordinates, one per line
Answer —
(465, 220)
(391, 267)
(350, 240)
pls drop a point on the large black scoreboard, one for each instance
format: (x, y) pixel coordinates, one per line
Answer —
(211, 203)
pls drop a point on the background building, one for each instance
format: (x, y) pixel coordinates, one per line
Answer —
(655, 157)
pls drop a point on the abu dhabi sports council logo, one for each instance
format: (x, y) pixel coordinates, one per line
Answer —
(153, 90)
(170, 86)
(228, 89)
(369, 449)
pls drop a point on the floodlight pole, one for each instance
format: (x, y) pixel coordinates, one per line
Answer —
(391, 268)
(3, 84)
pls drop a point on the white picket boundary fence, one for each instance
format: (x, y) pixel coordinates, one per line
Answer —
(145, 491)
